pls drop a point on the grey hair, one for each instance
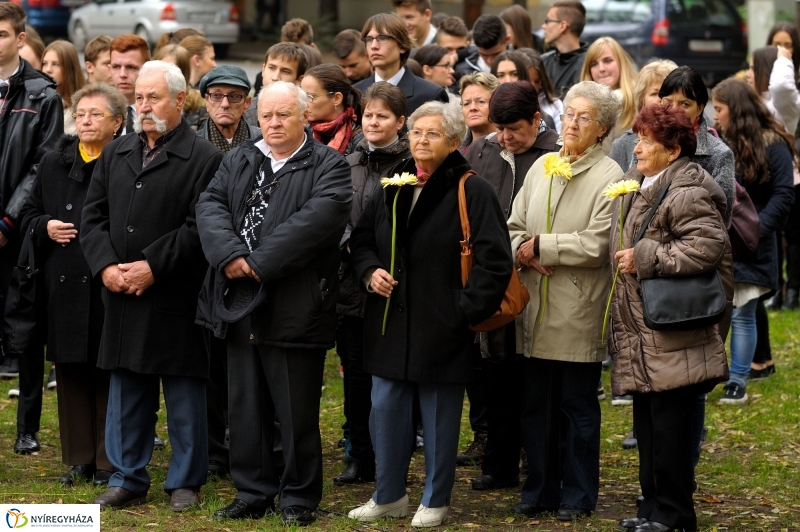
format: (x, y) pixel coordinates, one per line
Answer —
(285, 86)
(602, 99)
(117, 103)
(172, 74)
(452, 118)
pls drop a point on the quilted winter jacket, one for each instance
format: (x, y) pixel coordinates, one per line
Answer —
(686, 236)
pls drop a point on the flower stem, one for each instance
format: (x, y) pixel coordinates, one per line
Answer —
(391, 264)
(546, 279)
(608, 307)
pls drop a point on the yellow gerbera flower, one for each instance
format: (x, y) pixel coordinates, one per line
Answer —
(398, 180)
(620, 188)
(555, 165)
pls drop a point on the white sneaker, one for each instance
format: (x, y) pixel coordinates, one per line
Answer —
(373, 511)
(13, 392)
(427, 517)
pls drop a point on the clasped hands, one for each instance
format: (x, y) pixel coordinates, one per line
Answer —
(128, 278)
(238, 268)
(526, 257)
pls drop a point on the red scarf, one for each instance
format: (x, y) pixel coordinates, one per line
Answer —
(422, 177)
(336, 133)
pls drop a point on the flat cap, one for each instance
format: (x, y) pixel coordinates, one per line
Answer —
(224, 75)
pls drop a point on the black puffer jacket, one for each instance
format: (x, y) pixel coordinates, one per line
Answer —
(299, 246)
(564, 70)
(31, 121)
(366, 169)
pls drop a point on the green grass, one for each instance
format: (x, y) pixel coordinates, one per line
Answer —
(748, 478)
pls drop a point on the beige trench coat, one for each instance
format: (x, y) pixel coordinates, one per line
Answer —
(576, 248)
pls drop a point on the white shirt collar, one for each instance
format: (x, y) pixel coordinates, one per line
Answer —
(483, 66)
(5, 81)
(277, 165)
(431, 35)
(394, 80)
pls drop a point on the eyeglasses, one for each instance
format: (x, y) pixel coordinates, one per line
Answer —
(480, 103)
(93, 116)
(416, 134)
(582, 120)
(262, 193)
(549, 20)
(446, 66)
(312, 97)
(382, 39)
(234, 97)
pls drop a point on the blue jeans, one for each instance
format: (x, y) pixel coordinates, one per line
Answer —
(744, 336)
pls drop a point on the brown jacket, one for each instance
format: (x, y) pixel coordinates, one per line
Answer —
(686, 236)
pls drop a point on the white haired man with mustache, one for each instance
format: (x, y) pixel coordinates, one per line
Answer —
(140, 239)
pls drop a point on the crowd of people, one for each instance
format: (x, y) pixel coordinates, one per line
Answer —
(169, 227)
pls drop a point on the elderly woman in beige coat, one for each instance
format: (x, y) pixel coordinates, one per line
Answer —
(560, 331)
(665, 370)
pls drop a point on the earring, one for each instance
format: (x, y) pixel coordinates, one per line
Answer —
(335, 107)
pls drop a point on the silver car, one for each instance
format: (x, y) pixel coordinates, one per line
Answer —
(149, 19)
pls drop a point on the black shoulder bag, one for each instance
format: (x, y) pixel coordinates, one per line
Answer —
(680, 303)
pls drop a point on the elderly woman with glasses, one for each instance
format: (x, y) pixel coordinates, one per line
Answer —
(559, 333)
(417, 342)
(51, 218)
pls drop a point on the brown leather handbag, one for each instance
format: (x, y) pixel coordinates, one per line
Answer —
(516, 296)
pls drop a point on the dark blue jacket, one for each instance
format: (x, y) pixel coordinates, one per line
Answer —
(773, 201)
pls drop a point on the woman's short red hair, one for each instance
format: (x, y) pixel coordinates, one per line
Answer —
(669, 126)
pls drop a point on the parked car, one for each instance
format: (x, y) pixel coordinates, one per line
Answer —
(49, 17)
(707, 35)
(149, 19)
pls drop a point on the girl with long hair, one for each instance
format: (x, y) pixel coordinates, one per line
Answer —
(548, 101)
(518, 25)
(772, 75)
(60, 62)
(763, 152)
(609, 64)
(785, 35)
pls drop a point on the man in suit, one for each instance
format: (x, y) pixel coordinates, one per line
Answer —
(128, 53)
(270, 224)
(389, 46)
(140, 240)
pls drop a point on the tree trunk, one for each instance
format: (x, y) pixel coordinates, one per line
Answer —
(472, 10)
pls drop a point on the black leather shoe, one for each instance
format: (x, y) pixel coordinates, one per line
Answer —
(298, 516)
(792, 300)
(239, 509)
(355, 473)
(101, 477)
(652, 526)
(530, 511)
(78, 473)
(632, 522)
(117, 497)
(570, 513)
(184, 498)
(26, 444)
(490, 482)
(216, 470)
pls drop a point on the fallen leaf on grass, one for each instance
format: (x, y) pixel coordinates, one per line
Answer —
(509, 520)
(711, 500)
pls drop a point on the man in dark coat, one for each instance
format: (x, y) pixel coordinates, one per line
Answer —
(562, 31)
(389, 56)
(225, 128)
(140, 240)
(504, 158)
(270, 224)
(31, 120)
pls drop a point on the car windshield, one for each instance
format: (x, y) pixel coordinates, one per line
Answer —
(615, 11)
(705, 12)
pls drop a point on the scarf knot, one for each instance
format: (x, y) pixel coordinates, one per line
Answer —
(336, 133)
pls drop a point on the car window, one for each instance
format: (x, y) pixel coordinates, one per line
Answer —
(707, 12)
(611, 11)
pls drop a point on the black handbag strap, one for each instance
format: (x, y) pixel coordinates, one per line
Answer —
(656, 203)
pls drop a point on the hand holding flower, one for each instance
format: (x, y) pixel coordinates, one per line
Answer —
(625, 260)
(382, 283)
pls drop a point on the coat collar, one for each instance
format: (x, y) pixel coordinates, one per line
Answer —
(68, 155)
(444, 178)
(682, 172)
(181, 146)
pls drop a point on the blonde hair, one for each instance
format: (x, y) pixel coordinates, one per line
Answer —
(650, 74)
(627, 75)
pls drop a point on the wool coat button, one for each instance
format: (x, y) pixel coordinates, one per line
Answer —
(138, 184)
(62, 279)
(84, 279)
(130, 229)
(252, 336)
(69, 206)
(400, 308)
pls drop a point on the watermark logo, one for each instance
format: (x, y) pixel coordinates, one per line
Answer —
(16, 518)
